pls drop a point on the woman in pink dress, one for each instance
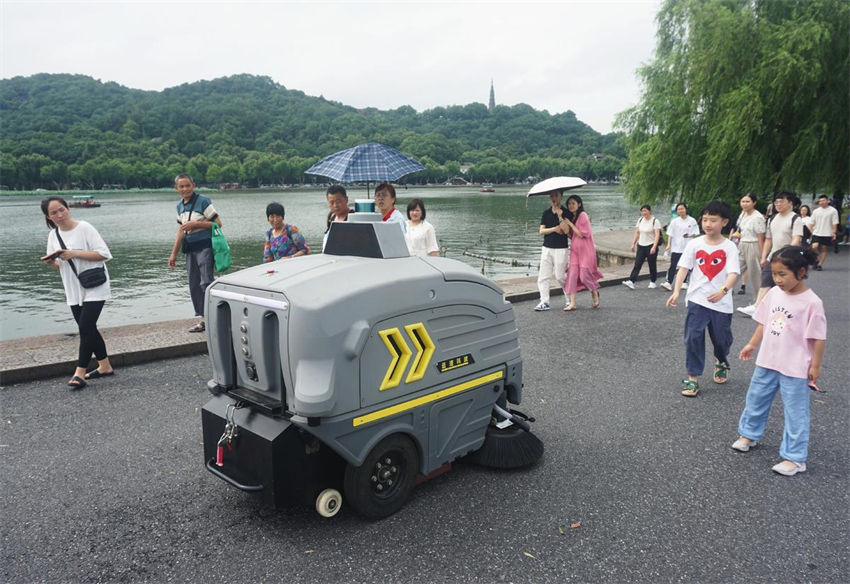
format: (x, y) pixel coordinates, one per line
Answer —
(583, 273)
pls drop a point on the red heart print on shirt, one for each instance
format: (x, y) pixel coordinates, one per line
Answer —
(711, 264)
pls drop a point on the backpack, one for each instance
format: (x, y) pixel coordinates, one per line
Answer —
(661, 234)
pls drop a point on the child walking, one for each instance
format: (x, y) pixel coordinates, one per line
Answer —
(713, 262)
(792, 333)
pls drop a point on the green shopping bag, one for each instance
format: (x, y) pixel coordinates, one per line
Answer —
(221, 249)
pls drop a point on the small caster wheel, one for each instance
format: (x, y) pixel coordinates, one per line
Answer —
(329, 502)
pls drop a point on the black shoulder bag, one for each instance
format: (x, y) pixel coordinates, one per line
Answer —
(91, 278)
(184, 245)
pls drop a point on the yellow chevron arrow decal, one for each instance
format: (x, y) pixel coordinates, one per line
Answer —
(424, 351)
(400, 352)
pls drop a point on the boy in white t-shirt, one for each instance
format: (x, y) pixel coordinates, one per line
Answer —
(713, 262)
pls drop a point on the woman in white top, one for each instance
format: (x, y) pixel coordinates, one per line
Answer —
(83, 246)
(808, 220)
(749, 230)
(420, 236)
(385, 205)
(680, 230)
(647, 238)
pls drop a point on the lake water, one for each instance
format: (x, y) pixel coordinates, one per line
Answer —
(139, 229)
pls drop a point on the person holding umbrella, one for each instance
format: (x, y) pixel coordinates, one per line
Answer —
(554, 255)
(338, 209)
(385, 205)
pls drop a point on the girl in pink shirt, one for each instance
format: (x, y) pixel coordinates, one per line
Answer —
(792, 335)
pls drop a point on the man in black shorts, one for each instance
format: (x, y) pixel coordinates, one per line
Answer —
(824, 228)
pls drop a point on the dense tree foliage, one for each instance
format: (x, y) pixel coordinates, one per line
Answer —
(742, 95)
(64, 130)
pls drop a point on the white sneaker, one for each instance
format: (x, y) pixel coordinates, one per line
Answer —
(684, 286)
(744, 445)
(652, 285)
(542, 306)
(629, 284)
(789, 468)
(748, 310)
(666, 286)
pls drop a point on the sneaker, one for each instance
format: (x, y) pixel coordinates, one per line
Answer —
(789, 468)
(744, 445)
(742, 291)
(819, 267)
(666, 286)
(685, 286)
(629, 284)
(542, 306)
(748, 310)
(652, 285)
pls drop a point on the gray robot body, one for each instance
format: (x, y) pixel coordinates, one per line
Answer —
(320, 360)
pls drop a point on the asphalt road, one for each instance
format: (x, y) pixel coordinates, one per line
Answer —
(638, 484)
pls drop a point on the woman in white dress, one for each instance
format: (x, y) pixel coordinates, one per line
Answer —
(420, 236)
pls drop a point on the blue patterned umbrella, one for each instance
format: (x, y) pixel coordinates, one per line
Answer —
(366, 162)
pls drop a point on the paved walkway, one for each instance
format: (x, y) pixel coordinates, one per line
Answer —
(637, 484)
(31, 358)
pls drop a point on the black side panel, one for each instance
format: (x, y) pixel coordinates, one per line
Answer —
(291, 465)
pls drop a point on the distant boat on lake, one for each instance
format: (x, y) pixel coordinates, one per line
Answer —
(487, 189)
(83, 202)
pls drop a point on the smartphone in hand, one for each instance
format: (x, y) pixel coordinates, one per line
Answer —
(52, 256)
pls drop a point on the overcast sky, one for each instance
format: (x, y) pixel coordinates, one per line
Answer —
(557, 56)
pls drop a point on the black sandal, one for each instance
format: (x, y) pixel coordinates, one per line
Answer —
(76, 383)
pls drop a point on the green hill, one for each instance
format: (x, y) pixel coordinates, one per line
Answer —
(58, 131)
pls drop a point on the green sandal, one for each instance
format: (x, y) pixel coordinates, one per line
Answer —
(720, 372)
(691, 388)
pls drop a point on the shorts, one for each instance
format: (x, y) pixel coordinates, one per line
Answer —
(822, 239)
(767, 277)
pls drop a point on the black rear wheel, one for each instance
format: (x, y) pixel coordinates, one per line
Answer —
(381, 485)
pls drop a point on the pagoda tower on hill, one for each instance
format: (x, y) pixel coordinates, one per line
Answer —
(492, 97)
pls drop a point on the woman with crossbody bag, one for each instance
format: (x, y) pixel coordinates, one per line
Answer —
(85, 279)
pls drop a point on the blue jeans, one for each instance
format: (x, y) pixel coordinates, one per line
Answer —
(795, 398)
(719, 326)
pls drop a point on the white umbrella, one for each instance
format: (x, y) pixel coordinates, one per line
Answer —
(556, 183)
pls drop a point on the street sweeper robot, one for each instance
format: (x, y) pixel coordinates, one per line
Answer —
(360, 372)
